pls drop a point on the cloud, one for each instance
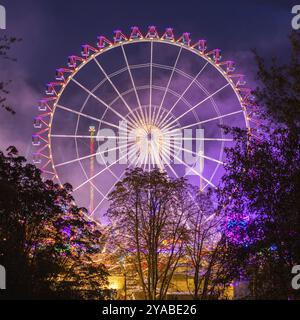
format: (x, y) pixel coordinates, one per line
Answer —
(16, 129)
(23, 90)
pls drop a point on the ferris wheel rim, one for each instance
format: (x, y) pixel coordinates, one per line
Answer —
(181, 72)
(204, 55)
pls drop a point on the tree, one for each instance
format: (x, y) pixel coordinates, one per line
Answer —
(279, 92)
(46, 242)
(203, 231)
(149, 213)
(260, 199)
(260, 191)
(207, 250)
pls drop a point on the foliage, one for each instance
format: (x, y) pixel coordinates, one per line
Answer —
(260, 191)
(149, 213)
(46, 242)
(207, 250)
(279, 92)
(160, 225)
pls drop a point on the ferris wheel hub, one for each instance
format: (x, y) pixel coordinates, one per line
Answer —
(148, 140)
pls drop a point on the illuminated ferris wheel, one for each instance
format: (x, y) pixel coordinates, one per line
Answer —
(144, 100)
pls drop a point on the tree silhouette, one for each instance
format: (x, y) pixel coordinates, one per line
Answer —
(260, 191)
(46, 242)
(149, 214)
(207, 250)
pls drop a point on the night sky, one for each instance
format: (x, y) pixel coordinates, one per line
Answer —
(52, 30)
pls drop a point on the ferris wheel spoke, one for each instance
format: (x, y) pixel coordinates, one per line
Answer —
(133, 159)
(168, 125)
(110, 169)
(162, 122)
(151, 81)
(197, 173)
(165, 151)
(86, 137)
(105, 197)
(102, 102)
(147, 162)
(97, 190)
(176, 135)
(190, 168)
(211, 119)
(165, 159)
(101, 171)
(152, 161)
(96, 208)
(133, 85)
(137, 121)
(144, 161)
(90, 117)
(217, 118)
(175, 173)
(160, 163)
(158, 115)
(155, 156)
(205, 139)
(91, 155)
(199, 155)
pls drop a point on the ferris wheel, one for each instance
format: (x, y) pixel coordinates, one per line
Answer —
(145, 100)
